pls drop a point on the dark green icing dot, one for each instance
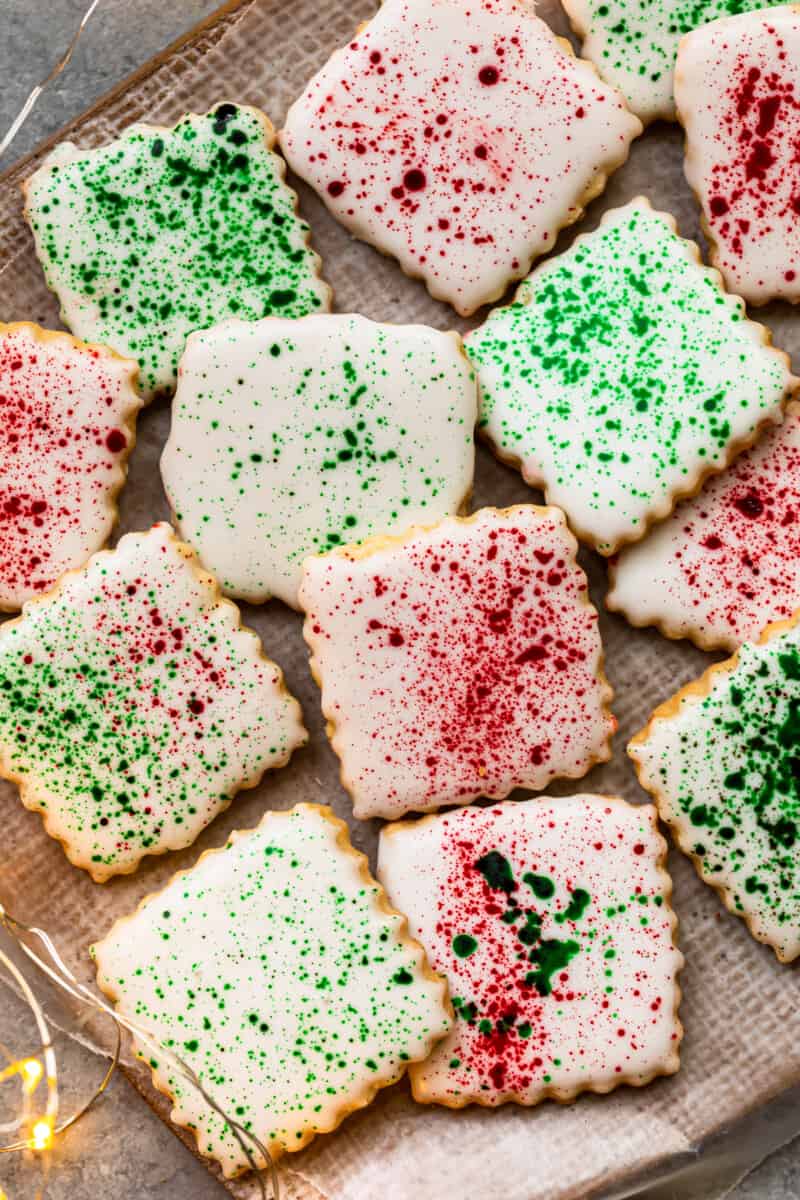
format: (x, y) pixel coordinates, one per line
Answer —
(464, 945)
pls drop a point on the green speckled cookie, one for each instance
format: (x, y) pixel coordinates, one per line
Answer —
(276, 969)
(633, 43)
(721, 759)
(291, 437)
(622, 375)
(133, 705)
(169, 230)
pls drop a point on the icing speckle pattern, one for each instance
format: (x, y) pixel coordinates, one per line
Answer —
(165, 231)
(551, 921)
(457, 662)
(720, 758)
(622, 374)
(67, 416)
(277, 971)
(291, 437)
(728, 562)
(133, 705)
(634, 45)
(457, 136)
(737, 88)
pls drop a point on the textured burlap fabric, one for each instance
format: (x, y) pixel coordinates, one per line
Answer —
(740, 1007)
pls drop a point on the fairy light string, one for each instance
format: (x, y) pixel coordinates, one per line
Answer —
(42, 1129)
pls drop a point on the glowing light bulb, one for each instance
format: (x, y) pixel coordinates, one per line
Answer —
(32, 1071)
(41, 1135)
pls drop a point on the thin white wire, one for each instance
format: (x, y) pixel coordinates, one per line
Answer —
(36, 92)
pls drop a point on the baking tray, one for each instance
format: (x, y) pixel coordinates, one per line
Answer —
(740, 1007)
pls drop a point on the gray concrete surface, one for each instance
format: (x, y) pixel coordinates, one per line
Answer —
(120, 1149)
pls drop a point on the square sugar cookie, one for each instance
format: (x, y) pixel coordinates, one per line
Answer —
(726, 563)
(67, 425)
(168, 230)
(551, 920)
(277, 971)
(291, 437)
(634, 45)
(458, 136)
(458, 661)
(622, 375)
(133, 705)
(720, 760)
(737, 88)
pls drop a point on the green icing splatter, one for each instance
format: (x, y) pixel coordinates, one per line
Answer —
(279, 982)
(730, 766)
(619, 372)
(635, 45)
(167, 231)
(496, 870)
(464, 945)
(132, 707)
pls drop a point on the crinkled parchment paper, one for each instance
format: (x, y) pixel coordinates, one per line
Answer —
(740, 1009)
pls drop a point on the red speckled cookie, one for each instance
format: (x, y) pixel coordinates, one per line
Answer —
(67, 416)
(458, 136)
(462, 660)
(737, 88)
(726, 563)
(551, 921)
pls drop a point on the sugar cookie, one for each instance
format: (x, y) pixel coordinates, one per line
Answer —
(458, 661)
(164, 231)
(551, 920)
(291, 437)
(622, 375)
(737, 88)
(634, 46)
(726, 563)
(276, 969)
(720, 759)
(458, 136)
(67, 419)
(133, 705)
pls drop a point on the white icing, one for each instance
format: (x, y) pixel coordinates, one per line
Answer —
(726, 595)
(547, 131)
(608, 848)
(357, 428)
(461, 661)
(60, 406)
(172, 684)
(722, 131)
(702, 368)
(283, 925)
(722, 767)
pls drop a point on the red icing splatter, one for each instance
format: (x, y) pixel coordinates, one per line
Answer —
(482, 656)
(508, 1038)
(389, 129)
(60, 452)
(753, 185)
(737, 544)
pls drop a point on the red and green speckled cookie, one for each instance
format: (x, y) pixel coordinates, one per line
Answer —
(133, 705)
(165, 231)
(276, 969)
(720, 759)
(458, 661)
(67, 418)
(551, 920)
(458, 136)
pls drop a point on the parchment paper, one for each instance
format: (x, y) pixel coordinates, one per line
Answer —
(740, 1009)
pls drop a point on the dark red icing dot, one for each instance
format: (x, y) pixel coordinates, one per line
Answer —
(488, 76)
(116, 441)
(335, 188)
(414, 180)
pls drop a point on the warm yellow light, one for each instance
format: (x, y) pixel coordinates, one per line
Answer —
(32, 1071)
(41, 1135)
